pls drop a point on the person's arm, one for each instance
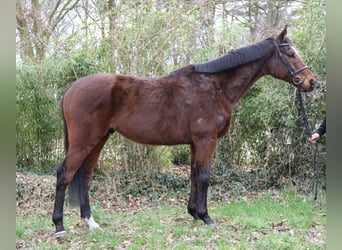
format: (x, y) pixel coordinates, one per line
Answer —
(319, 132)
(322, 128)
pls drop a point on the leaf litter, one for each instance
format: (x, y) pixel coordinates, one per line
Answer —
(35, 196)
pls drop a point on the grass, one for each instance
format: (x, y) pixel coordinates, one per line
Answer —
(271, 220)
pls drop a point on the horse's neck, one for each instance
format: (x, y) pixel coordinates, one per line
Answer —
(236, 84)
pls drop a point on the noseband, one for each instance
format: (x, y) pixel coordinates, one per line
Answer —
(292, 71)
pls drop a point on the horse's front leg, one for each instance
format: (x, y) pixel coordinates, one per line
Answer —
(204, 150)
(192, 204)
(203, 178)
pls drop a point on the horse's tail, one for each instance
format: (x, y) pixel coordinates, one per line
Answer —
(74, 187)
(66, 137)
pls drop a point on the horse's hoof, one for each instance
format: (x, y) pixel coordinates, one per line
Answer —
(208, 221)
(60, 234)
(91, 223)
(95, 228)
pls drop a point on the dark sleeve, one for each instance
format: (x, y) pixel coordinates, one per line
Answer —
(322, 128)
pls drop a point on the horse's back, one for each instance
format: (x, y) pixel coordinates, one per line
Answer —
(95, 83)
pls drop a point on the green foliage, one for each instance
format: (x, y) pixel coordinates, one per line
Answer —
(19, 231)
(180, 154)
(37, 124)
(309, 34)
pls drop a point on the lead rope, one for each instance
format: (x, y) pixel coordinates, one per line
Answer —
(316, 160)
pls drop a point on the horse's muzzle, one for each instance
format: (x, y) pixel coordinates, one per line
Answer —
(312, 85)
(303, 88)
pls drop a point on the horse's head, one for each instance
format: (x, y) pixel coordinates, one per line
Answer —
(289, 66)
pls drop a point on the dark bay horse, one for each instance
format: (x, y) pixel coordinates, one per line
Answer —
(192, 105)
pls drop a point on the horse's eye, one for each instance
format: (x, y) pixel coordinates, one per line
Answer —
(291, 54)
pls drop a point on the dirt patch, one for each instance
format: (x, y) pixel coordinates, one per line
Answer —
(34, 192)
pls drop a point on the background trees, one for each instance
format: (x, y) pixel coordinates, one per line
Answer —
(62, 40)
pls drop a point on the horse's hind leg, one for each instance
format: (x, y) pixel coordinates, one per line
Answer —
(88, 166)
(65, 173)
(57, 216)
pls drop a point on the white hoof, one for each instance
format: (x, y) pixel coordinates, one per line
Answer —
(91, 223)
(60, 234)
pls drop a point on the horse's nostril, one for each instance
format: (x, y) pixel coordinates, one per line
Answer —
(296, 80)
(312, 83)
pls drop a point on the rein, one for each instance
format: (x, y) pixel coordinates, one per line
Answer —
(316, 158)
(297, 83)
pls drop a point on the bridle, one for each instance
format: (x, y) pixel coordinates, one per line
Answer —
(295, 80)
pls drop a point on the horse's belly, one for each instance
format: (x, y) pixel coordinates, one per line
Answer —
(157, 133)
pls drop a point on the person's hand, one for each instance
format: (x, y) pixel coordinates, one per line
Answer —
(314, 138)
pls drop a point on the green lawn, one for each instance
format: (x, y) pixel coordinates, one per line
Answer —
(271, 220)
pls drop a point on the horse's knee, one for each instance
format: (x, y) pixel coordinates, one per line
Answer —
(204, 179)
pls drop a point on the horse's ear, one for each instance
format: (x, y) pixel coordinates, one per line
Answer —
(282, 35)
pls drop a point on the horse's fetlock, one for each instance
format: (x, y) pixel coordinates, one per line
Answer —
(58, 221)
(202, 214)
(192, 211)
